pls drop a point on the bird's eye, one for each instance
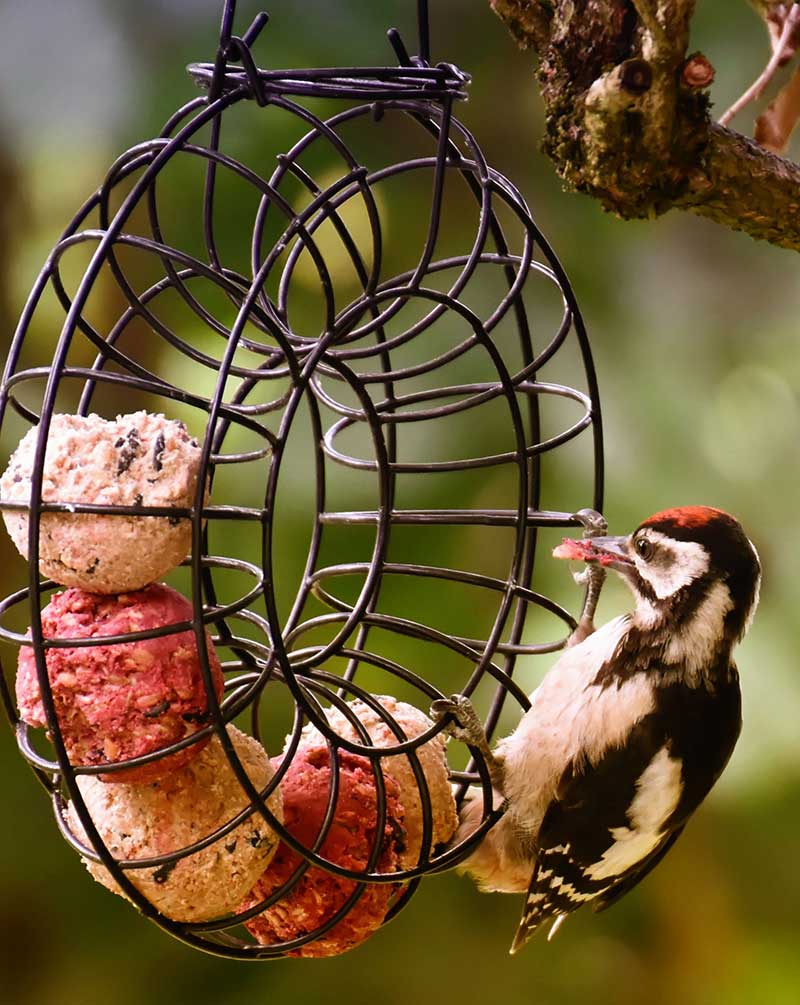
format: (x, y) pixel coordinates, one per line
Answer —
(644, 548)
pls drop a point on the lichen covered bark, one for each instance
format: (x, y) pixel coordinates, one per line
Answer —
(745, 187)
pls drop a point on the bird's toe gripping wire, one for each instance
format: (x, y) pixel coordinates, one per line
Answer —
(465, 726)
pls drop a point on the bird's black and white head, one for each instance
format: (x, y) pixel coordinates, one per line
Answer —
(694, 575)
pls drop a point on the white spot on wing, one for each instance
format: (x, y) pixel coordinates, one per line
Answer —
(658, 792)
(565, 889)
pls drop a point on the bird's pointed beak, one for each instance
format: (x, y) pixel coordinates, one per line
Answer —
(611, 552)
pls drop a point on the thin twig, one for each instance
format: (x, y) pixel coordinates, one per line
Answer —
(775, 126)
(756, 89)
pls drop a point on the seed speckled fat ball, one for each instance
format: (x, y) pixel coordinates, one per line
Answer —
(125, 700)
(134, 460)
(318, 895)
(145, 821)
(432, 759)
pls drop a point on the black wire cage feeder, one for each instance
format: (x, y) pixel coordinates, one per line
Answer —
(305, 346)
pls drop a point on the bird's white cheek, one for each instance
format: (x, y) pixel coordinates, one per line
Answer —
(688, 561)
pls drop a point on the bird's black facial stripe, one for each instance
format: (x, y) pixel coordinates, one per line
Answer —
(744, 583)
(644, 589)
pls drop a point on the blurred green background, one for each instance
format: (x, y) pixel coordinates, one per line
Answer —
(694, 333)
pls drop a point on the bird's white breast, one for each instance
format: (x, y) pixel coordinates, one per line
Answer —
(571, 719)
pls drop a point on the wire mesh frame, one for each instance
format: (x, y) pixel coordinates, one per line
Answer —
(353, 335)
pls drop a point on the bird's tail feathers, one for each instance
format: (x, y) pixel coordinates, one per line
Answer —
(528, 927)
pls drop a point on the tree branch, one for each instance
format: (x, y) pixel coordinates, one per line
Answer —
(627, 117)
(749, 189)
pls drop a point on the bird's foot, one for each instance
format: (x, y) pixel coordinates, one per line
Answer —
(592, 577)
(594, 524)
(581, 632)
(466, 727)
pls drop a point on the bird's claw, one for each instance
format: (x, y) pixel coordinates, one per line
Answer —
(466, 727)
(594, 524)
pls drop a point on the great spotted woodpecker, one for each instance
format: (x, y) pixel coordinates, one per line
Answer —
(628, 731)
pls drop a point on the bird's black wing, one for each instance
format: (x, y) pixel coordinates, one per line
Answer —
(703, 728)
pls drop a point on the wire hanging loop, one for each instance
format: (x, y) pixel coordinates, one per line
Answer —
(234, 68)
(236, 49)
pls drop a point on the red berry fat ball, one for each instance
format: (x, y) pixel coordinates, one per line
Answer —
(318, 894)
(432, 759)
(120, 701)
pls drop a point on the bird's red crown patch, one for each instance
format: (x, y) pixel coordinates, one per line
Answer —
(687, 516)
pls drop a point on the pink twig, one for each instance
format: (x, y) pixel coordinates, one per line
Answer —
(756, 89)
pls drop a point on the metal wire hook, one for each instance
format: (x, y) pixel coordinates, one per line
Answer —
(241, 49)
(236, 49)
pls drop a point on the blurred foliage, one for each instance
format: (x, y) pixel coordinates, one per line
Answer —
(694, 332)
